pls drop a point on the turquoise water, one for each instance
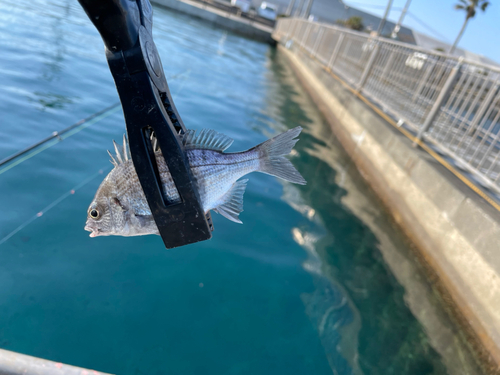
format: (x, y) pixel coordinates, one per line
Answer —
(316, 281)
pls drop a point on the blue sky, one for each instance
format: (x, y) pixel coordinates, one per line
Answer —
(443, 22)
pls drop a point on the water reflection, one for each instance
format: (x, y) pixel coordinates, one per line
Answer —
(331, 312)
(50, 100)
(329, 307)
(220, 44)
(369, 288)
(50, 53)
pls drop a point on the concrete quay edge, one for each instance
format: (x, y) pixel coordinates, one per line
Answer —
(457, 234)
(220, 18)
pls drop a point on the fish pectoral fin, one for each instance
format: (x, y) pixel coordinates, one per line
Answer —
(119, 203)
(144, 220)
(233, 202)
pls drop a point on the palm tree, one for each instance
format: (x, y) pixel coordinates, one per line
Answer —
(470, 8)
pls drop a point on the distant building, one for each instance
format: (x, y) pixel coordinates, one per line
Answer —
(330, 11)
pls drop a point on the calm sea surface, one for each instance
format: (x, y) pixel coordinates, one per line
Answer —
(316, 281)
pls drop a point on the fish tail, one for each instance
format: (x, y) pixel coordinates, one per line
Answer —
(272, 160)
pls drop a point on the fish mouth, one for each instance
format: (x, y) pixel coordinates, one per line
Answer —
(94, 231)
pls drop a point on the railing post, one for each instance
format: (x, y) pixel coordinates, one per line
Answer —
(308, 45)
(283, 28)
(336, 51)
(306, 35)
(425, 78)
(319, 36)
(296, 26)
(290, 28)
(482, 109)
(290, 24)
(388, 65)
(442, 97)
(368, 67)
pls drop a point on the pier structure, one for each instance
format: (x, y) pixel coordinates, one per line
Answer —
(225, 16)
(424, 129)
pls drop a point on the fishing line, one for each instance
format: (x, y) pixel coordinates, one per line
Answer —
(55, 138)
(52, 205)
(59, 136)
(183, 83)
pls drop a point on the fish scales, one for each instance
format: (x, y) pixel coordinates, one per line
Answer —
(216, 172)
(120, 206)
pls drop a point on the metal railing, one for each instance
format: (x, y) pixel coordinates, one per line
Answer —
(12, 363)
(451, 103)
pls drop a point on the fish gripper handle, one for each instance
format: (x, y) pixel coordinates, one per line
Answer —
(126, 29)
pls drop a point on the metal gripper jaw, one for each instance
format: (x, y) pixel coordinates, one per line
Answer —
(126, 28)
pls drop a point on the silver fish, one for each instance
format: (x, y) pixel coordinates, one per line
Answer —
(120, 207)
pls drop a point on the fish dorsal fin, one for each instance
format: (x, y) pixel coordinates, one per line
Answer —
(122, 153)
(206, 139)
(233, 202)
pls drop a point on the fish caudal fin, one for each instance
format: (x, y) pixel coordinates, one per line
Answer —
(233, 202)
(272, 160)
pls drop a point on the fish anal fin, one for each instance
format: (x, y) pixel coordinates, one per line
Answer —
(233, 202)
(206, 139)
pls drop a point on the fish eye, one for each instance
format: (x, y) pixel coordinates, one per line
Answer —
(94, 214)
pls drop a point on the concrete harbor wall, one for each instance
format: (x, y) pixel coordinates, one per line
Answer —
(220, 18)
(456, 231)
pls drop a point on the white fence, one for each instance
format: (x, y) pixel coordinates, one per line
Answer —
(448, 102)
